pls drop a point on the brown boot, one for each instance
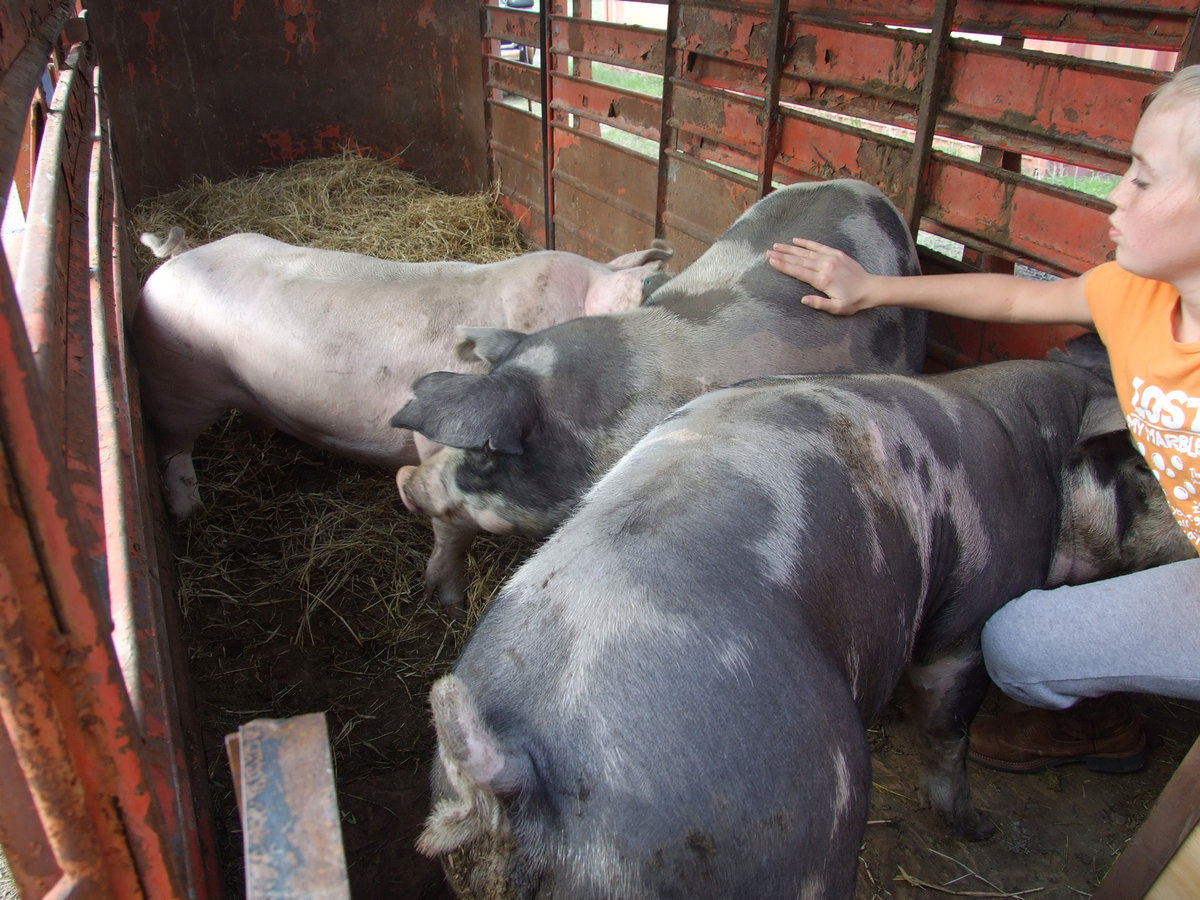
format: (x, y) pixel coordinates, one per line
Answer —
(1104, 732)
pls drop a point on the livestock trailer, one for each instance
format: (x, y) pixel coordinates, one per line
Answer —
(996, 127)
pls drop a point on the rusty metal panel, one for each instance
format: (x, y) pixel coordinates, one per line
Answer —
(1021, 100)
(1079, 107)
(825, 149)
(597, 181)
(954, 342)
(516, 25)
(514, 78)
(624, 45)
(727, 34)
(516, 142)
(628, 110)
(720, 114)
(1047, 226)
(701, 194)
(727, 118)
(221, 88)
(292, 837)
(1126, 22)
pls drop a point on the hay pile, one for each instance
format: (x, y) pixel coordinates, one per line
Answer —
(301, 581)
(352, 202)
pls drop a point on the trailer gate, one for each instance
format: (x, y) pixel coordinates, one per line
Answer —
(95, 770)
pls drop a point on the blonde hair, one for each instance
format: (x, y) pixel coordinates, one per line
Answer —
(1184, 85)
(1181, 91)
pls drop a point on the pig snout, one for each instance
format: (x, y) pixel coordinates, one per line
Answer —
(403, 476)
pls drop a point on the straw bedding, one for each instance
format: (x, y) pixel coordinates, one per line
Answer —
(301, 581)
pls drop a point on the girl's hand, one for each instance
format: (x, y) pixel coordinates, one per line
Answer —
(842, 279)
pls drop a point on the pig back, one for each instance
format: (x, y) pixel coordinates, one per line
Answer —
(733, 284)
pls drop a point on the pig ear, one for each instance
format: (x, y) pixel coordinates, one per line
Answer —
(488, 344)
(659, 250)
(1102, 416)
(471, 412)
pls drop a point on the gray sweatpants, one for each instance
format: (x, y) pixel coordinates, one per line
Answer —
(1138, 633)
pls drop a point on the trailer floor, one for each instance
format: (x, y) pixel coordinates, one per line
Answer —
(256, 651)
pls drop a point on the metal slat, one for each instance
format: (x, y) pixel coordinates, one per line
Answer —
(292, 837)
(932, 85)
(1159, 25)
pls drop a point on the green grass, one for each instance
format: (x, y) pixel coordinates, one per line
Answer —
(627, 79)
(1098, 184)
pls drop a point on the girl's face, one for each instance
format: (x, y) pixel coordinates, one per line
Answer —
(1156, 224)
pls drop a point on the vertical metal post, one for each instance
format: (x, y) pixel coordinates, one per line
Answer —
(769, 145)
(547, 126)
(666, 130)
(931, 96)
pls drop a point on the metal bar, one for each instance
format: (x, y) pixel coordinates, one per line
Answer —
(627, 110)
(31, 716)
(171, 733)
(544, 61)
(931, 98)
(630, 46)
(769, 140)
(291, 833)
(1131, 23)
(666, 133)
(18, 85)
(37, 277)
(29, 856)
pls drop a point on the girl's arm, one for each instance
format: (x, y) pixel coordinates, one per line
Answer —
(983, 296)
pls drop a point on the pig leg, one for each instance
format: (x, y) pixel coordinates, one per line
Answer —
(179, 481)
(446, 571)
(947, 693)
(175, 432)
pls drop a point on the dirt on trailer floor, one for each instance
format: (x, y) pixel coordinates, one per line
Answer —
(348, 632)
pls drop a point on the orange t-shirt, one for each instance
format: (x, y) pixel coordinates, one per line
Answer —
(1157, 380)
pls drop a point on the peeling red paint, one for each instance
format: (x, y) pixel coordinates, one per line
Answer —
(282, 147)
(427, 14)
(331, 138)
(154, 38)
(292, 30)
(238, 6)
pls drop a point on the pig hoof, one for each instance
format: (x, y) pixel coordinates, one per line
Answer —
(973, 826)
(452, 601)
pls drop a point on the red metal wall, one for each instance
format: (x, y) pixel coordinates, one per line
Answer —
(226, 87)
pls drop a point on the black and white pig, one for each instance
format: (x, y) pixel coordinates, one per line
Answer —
(560, 406)
(324, 345)
(669, 698)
